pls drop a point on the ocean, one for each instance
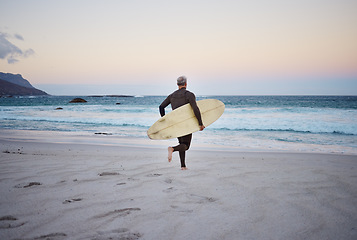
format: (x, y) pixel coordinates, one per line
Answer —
(323, 124)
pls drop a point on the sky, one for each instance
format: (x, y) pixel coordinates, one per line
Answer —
(223, 47)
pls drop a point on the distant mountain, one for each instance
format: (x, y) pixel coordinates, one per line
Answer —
(15, 84)
(15, 79)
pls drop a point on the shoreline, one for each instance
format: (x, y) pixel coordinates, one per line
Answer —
(102, 139)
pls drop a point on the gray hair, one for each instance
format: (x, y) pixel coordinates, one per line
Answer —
(181, 81)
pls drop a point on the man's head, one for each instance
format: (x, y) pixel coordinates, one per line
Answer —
(182, 81)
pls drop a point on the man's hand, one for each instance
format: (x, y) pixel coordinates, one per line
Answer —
(202, 127)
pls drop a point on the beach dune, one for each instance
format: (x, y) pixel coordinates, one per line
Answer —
(88, 191)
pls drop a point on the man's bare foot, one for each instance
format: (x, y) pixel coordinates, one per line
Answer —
(184, 168)
(170, 150)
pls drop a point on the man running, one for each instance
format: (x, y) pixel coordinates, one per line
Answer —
(177, 99)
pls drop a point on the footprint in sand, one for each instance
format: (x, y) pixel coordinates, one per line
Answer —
(118, 212)
(8, 218)
(26, 185)
(201, 199)
(19, 151)
(154, 175)
(133, 179)
(181, 209)
(168, 190)
(168, 180)
(72, 200)
(108, 174)
(10, 222)
(120, 233)
(52, 236)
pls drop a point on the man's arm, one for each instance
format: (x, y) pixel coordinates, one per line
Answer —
(196, 110)
(164, 104)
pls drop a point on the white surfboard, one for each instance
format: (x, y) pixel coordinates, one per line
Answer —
(182, 120)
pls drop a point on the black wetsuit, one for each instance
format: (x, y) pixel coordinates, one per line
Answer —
(178, 99)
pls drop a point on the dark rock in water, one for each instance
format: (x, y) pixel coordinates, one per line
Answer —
(103, 133)
(78, 100)
(118, 103)
(59, 108)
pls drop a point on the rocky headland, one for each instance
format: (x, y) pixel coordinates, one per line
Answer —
(16, 85)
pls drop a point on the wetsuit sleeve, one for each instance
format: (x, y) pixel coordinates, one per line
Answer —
(196, 110)
(164, 104)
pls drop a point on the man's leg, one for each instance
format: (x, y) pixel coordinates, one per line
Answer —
(182, 159)
(184, 145)
(170, 150)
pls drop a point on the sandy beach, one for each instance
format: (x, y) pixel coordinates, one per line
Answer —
(60, 190)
